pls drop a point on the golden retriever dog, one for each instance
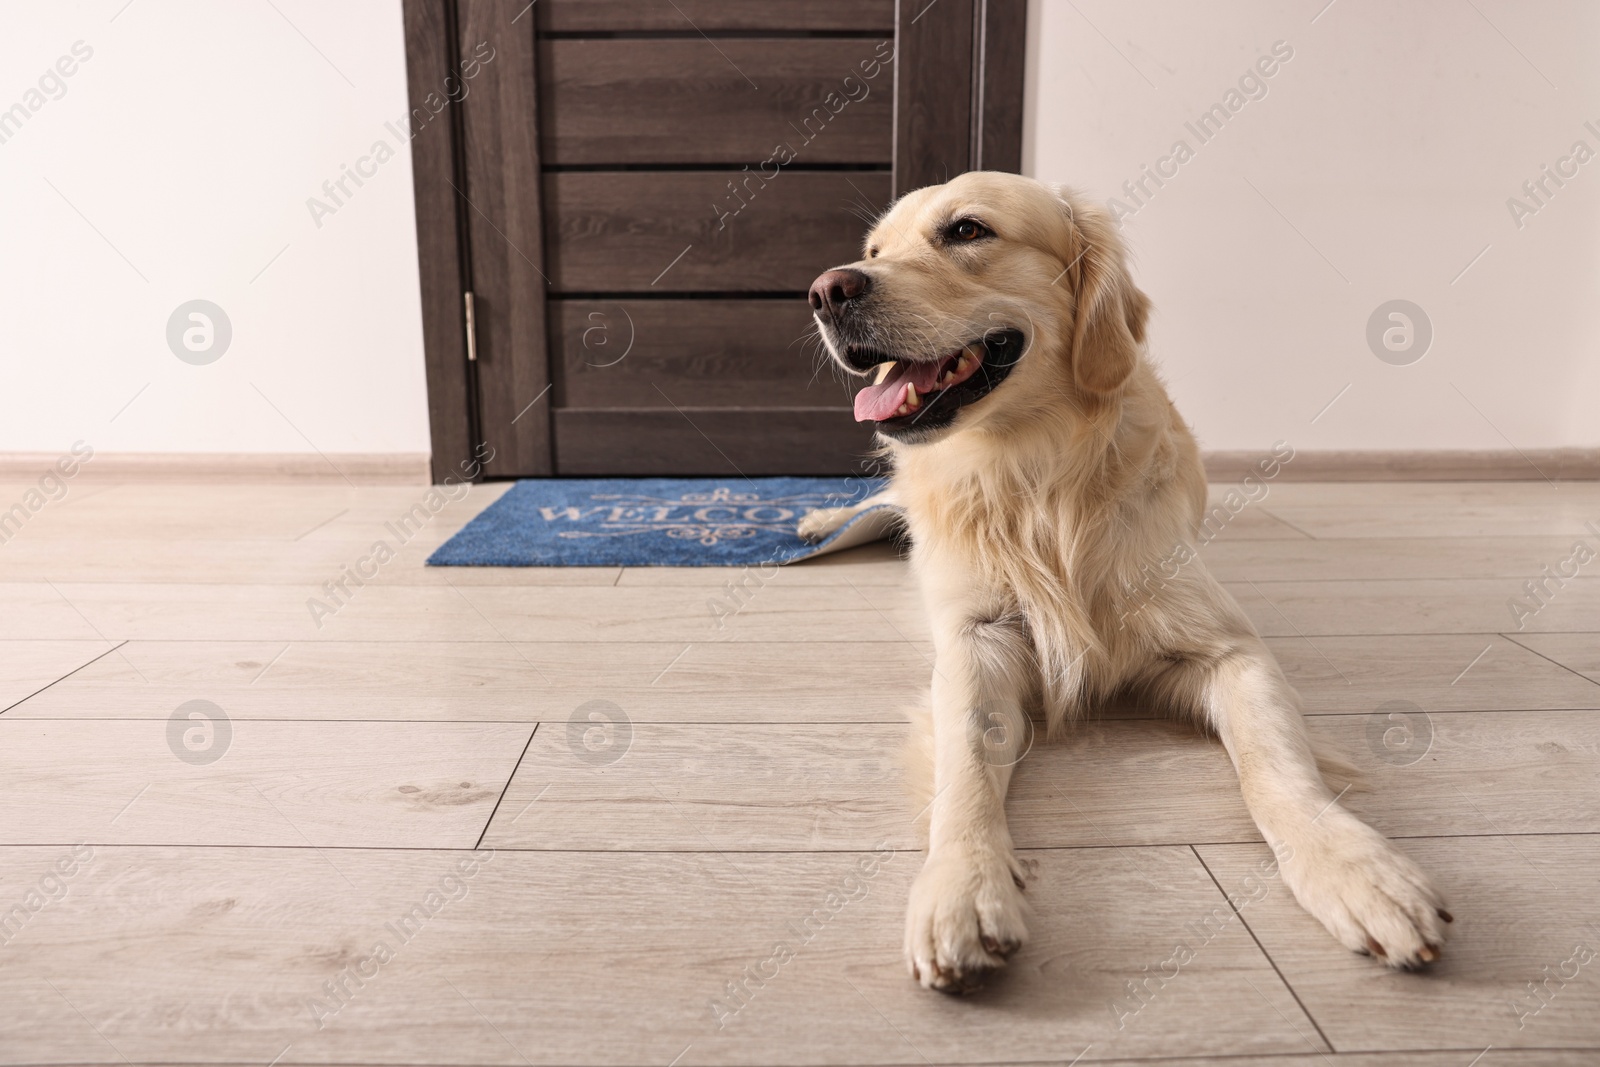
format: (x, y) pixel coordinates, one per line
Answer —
(1045, 477)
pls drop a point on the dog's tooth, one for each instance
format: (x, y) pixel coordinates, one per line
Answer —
(911, 397)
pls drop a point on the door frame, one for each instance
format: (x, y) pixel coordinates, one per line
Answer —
(942, 127)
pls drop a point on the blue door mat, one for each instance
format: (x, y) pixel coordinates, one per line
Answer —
(661, 522)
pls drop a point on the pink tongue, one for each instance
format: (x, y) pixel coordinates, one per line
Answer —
(878, 402)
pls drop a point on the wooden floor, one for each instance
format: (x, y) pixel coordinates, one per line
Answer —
(565, 817)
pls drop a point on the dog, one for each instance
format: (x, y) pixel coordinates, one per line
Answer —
(1045, 475)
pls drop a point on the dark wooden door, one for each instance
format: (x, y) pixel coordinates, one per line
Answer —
(637, 194)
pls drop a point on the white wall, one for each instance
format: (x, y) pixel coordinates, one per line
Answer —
(1391, 142)
(191, 140)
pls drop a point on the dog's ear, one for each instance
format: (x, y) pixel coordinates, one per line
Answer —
(1109, 310)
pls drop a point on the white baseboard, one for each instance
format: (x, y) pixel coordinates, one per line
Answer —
(1533, 465)
(412, 468)
(358, 468)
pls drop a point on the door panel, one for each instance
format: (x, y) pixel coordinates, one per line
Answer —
(702, 353)
(610, 101)
(677, 231)
(709, 441)
(687, 16)
(933, 129)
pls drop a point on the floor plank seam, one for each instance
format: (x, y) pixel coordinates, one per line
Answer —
(743, 851)
(509, 779)
(1523, 1053)
(843, 581)
(1542, 656)
(1270, 1057)
(1269, 513)
(719, 723)
(1312, 1019)
(64, 677)
(1314, 716)
(788, 644)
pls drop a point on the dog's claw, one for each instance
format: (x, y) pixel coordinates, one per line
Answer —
(1446, 916)
(962, 982)
(1004, 949)
(1375, 948)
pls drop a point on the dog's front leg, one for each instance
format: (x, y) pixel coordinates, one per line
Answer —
(1368, 893)
(966, 913)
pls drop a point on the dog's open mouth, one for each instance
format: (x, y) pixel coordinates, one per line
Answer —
(910, 395)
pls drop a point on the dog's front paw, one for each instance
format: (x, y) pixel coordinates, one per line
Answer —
(815, 525)
(965, 920)
(1371, 896)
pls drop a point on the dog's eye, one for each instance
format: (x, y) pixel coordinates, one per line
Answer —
(872, 253)
(968, 230)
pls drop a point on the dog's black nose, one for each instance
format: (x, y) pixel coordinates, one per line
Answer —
(836, 288)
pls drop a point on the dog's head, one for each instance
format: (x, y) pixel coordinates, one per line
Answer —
(979, 301)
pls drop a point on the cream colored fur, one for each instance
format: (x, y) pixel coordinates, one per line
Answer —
(1034, 520)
